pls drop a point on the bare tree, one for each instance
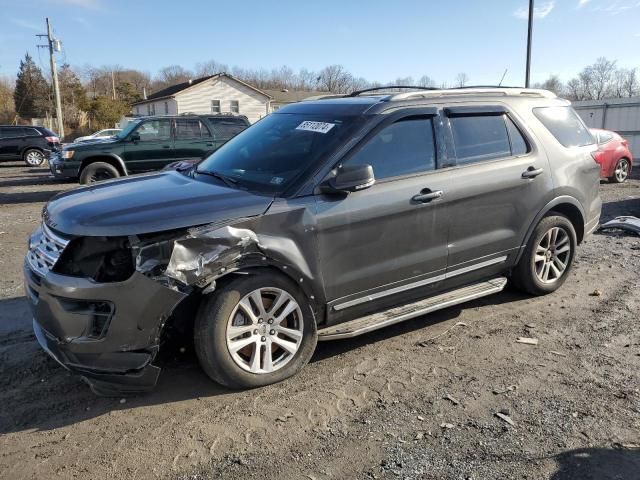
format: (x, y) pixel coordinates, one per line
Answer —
(426, 81)
(210, 68)
(553, 84)
(625, 83)
(172, 75)
(335, 78)
(597, 78)
(461, 79)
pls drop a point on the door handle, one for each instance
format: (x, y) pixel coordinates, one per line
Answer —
(166, 146)
(532, 172)
(426, 196)
(209, 144)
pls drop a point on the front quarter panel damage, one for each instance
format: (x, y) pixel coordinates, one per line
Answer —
(283, 237)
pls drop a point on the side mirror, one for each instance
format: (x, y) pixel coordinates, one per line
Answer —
(352, 178)
(134, 137)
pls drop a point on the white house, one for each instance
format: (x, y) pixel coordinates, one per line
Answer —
(220, 93)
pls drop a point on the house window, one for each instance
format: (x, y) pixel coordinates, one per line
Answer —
(148, 109)
(153, 109)
(235, 106)
(215, 106)
(166, 108)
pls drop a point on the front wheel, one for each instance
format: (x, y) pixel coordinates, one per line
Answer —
(97, 172)
(255, 331)
(548, 257)
(621, 171)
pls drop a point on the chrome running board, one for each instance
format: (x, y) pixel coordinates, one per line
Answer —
(375, 321)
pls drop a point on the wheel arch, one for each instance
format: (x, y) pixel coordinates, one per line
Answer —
(111, 159)
(183, 317)
(30, 147)
(566, 205)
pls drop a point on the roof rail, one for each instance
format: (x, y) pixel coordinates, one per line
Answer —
(477, 90)
(388, 87)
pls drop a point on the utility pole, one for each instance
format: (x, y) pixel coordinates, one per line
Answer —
(529, 38)
(113, 85)
(54, 46)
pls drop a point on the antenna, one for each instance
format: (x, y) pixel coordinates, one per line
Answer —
(503, 75)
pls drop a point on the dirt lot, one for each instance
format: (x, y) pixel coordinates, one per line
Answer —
(418, 400)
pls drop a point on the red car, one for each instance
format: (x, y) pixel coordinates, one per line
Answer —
(613, 155)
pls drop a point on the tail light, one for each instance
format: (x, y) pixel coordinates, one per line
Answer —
(625, 143)
(52, 139)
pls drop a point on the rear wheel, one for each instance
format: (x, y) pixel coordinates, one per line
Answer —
(621, 171)
(255, 331)
(33, 157)
(97, 172)
(548, 257)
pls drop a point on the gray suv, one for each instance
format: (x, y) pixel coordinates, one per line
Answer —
(325, 220)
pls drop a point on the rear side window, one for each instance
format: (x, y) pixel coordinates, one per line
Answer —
(519, 145)
(565, 124)
(479, 138)
(402, 148)
(31, 132)
(187, 128)
(227, 128)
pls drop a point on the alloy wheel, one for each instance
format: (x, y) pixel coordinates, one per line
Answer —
(622, 170)
(552, 256)
(265, 330)
(34, 158)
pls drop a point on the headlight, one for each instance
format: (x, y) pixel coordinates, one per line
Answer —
(68, 154)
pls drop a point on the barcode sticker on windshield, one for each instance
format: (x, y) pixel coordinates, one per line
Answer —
(319, 127)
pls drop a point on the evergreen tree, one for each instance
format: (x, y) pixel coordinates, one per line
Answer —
(31, 95)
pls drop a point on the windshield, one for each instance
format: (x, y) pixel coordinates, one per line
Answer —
(122, 134)
(273, 153)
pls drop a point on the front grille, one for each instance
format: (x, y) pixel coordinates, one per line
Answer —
(46, 251)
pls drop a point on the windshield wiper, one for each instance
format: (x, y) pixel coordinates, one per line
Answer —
(228, 181)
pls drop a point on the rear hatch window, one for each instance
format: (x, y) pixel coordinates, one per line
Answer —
(565, 124)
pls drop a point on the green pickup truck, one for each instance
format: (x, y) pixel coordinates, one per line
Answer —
(146, 144)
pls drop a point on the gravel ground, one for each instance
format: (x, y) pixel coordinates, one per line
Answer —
(417, 400)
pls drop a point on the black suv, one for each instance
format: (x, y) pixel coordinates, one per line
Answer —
(29, 143)
(325, 220)
(146, 144)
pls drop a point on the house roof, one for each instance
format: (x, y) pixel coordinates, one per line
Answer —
(291, 96)
(173, 90)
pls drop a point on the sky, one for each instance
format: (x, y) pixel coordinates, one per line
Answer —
(375, 39)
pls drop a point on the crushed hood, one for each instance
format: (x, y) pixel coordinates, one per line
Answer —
(149, 203)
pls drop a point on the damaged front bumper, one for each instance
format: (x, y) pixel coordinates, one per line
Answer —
(106, 332)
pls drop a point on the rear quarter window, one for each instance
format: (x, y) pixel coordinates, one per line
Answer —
(565, 125)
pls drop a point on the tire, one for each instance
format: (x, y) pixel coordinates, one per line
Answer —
(231, 360)
(97, 172)
(621, 172)
(33, 157)
(529, 274)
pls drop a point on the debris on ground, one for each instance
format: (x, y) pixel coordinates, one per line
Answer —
(596, 293)
(446, 425)
(510, 388)
(506, 418)
(560, 354)
(628, 223)
(527, 340)
(451, 399)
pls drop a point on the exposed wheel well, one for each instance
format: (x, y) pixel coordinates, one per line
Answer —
(573, 214)
(181, 322)
(106, 159)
